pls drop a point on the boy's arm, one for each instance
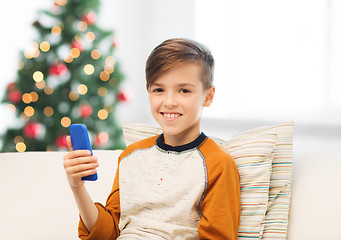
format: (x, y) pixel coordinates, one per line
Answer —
(106, 226)
(221, 205)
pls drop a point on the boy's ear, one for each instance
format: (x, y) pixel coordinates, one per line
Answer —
(209, 96)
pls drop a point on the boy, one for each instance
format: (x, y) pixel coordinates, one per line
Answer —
(178, 185)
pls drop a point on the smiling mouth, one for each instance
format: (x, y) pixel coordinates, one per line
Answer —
(171, 116)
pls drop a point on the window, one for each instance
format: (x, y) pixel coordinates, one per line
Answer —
(275, 60)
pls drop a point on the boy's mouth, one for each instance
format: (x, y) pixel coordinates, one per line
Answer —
(171, 116)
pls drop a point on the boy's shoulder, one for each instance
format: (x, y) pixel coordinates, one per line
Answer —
(211, 149)
(141, 144)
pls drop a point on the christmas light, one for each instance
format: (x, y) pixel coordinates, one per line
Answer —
(89, 69)
(32, 51)
(68, 59)
(29, 111)
(48, 90)
(27, 98)
(104, 76)
(34, 96)
(40, 85)
(11, 107)
(110, 61)
(74, 53)
(102, 114)
(95, 54)
(48, 111)
(38, 76)
(78, 37)
(73, 95)
(56, 30)
(18, 139)
(61, 2)
(20, 147)
(90, 36)
(82, 26)
(82, 89)
(45, 46)
(65, 122)
(109, 68)
(102, 91)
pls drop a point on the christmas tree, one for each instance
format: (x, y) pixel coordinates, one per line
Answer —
(69, 75)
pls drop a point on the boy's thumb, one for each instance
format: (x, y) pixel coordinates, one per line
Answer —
(69, 143)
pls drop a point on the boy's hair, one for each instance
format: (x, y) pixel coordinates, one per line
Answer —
(174, 52)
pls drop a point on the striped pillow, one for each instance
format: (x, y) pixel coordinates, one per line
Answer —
(265, 199)
(276, 218)
(253, 155)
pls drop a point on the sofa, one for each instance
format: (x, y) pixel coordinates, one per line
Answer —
(36, 202)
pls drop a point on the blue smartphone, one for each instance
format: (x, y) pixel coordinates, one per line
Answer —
(80, 141)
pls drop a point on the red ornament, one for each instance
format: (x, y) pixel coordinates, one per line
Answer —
(78, 45)
(11, 86)
(85, 110)
(125, 95)
(101, 139)
(58, 69)
(14, 96)
(89, 18)
(33, 130)
(60, 141)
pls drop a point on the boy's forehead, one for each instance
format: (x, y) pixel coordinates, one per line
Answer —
(186, 74)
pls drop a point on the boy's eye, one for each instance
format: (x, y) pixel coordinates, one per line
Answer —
(185, 91)
(157, 90)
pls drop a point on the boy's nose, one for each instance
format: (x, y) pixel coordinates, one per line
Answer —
(170, 101)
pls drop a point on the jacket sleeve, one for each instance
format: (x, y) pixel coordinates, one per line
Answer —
(221, 204)
(106, 226)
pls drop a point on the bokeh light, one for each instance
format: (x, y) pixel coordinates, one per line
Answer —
(82, 89)
(45, 46)
(95, 54)
(56, 30)
(102, 114)
(29, 111)
(48, 90)
(89, 69)
(27, 98)
(65, 122)
(20, 147)
(38, 76)
(73, 95)
(90, 36)
(41, 84)
(74, 53)
(104, 76)
(82, 26)
(102, 91)
(48, 111)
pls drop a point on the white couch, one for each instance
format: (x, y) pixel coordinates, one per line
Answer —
(36, 202)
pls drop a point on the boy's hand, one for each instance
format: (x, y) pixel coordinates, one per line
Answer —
(78, 164)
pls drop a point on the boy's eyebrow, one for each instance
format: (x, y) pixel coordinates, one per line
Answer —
(186, 85)
(179, 85)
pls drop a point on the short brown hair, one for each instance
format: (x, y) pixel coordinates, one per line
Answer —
(173, 52)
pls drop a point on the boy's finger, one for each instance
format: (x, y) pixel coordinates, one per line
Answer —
(69, 143)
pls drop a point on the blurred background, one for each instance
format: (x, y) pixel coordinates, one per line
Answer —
(275, 60)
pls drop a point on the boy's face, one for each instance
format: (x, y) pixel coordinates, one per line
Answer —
(176, 100)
